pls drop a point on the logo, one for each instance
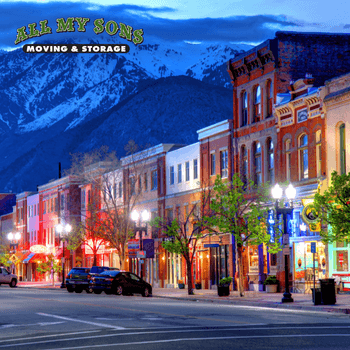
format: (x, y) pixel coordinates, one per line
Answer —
(310, 216)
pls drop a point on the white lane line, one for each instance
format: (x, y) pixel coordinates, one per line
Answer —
(128, 334)
(205, 339)
(81, 321)
(31, 324)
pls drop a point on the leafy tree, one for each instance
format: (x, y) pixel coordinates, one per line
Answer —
(333, 208)
(242, 210)
(5, 256)
(51, 265)
(185, 231)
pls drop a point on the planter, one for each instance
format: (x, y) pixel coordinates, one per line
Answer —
(224, 290)
(181, 285)
(271, 288)
(198, 285)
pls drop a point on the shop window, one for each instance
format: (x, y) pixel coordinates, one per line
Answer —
(244, 101)
(303, 157)
(318, 153)
(257, 164)
(253, 257)
(257, 104)
(342, 149)
(341, 259)
(273, 259)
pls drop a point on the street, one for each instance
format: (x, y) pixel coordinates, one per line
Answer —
(55, 319)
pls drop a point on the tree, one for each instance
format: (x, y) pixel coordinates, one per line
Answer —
(242, 210)
(333, 208)
(186, 230)
(51, 265)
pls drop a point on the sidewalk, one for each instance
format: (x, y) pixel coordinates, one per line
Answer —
(254, 299)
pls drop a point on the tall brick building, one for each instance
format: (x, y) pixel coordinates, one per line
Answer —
(257, 77)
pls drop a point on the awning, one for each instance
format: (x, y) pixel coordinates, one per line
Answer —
(27, 259)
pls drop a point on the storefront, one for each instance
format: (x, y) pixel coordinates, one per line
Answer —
(339, 262)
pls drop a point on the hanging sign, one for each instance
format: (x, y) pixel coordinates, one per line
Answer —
(38, 249)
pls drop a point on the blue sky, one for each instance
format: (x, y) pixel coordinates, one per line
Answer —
(234, 21)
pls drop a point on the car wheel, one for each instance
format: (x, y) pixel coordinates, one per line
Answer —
(89, 290)
(97, 291)
(70, 289)
(119, 290)
(13, 283)
(146, 292)
(78, 290)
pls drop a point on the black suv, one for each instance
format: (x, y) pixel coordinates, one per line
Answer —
(78, 277)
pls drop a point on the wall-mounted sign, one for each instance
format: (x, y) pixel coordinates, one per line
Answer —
(310, 216)
(302, 115)
(38, 249)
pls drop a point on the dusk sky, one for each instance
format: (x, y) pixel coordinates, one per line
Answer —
(225, 21)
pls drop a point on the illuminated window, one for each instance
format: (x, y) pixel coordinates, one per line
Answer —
(244, 101)
(257, 164)
(303, 157)
(257, 104)
(270, 161)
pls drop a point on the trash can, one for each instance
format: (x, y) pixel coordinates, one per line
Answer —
(317, 297)
(328, 291)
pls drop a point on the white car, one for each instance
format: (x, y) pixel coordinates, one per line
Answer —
(7, 277)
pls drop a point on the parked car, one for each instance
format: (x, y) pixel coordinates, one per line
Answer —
(78, 277)
(77, 280)
(119, 282)
(8, 277)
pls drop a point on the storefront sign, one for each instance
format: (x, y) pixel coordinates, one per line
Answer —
(38, 249)
(133, 248)
(310, 216)
(148, 247)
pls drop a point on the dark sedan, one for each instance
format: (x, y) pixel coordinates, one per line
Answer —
(119, 282)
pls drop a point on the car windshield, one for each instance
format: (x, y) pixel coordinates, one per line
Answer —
(110, 273)
(79, 270)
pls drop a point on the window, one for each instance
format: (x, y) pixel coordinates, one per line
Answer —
(34, 209)
(288, 158)
(212, 164)
(154, 179)
(195, 168)
(172, 175)
(224, 163)
(270, 162)
(83, 198)
(44, 211)
(132, 185)
(179, 173)
(115, 190)
(169, 215)
(269, 98)
(187, 166)
(120, 189)
(318, 153)
(257, 103)
(62, 201)
(342, 149)
(244, 165)
(146, 181)
(341, 260)
(244, 101)
(140, 184)
(257, 164)
(303, 157)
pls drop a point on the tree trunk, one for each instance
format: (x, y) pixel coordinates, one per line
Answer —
(94, 263)
(240, 270)
(189, 277)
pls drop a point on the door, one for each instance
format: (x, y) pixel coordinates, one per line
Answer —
(137, 284)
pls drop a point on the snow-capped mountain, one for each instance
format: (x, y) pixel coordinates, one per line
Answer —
(44, 96)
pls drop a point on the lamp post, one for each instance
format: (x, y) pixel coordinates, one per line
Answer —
(64, 229)
(144, 217)
(14, 237)
(285, 210)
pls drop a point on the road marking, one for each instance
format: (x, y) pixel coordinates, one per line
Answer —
(31, 324)
(205, 339)
(81, 321)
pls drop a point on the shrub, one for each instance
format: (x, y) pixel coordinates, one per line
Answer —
(225, 280)
(271, 280)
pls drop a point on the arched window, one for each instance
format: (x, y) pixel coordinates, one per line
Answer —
(288, 145)
(303, 157)
(257, 164)
(269, 98)
(342, 149)
(244, 101)
(270, 162)
(257, 103)
(244, 165)
(318, 153)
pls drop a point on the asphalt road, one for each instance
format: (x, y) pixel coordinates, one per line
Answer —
(44, 319)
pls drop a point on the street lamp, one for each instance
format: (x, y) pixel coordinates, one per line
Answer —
(285, 210)
(64, 229)
(144, 216)
(14, 237)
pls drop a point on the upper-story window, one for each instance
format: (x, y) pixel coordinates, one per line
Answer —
(244, 101)
(288, 158)
(212, 164)
(145, 181)
(269, 98)
(179, 173)
(187, 169)
(224, 163)
(270, 161)
(120, 189)
(195, 168)
(303, 157)
(257, 164)
(257, 103)
(244, 164)
(172, 175)
(154, 180)
(342, 149)
(318, 153)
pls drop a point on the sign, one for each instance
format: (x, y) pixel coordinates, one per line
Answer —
(148, 247)
(211, 245)
(38, 249)
(313, 247)
(285, 239)
(302, 115)
(286, 251)
(141, 254)
(133, 248)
